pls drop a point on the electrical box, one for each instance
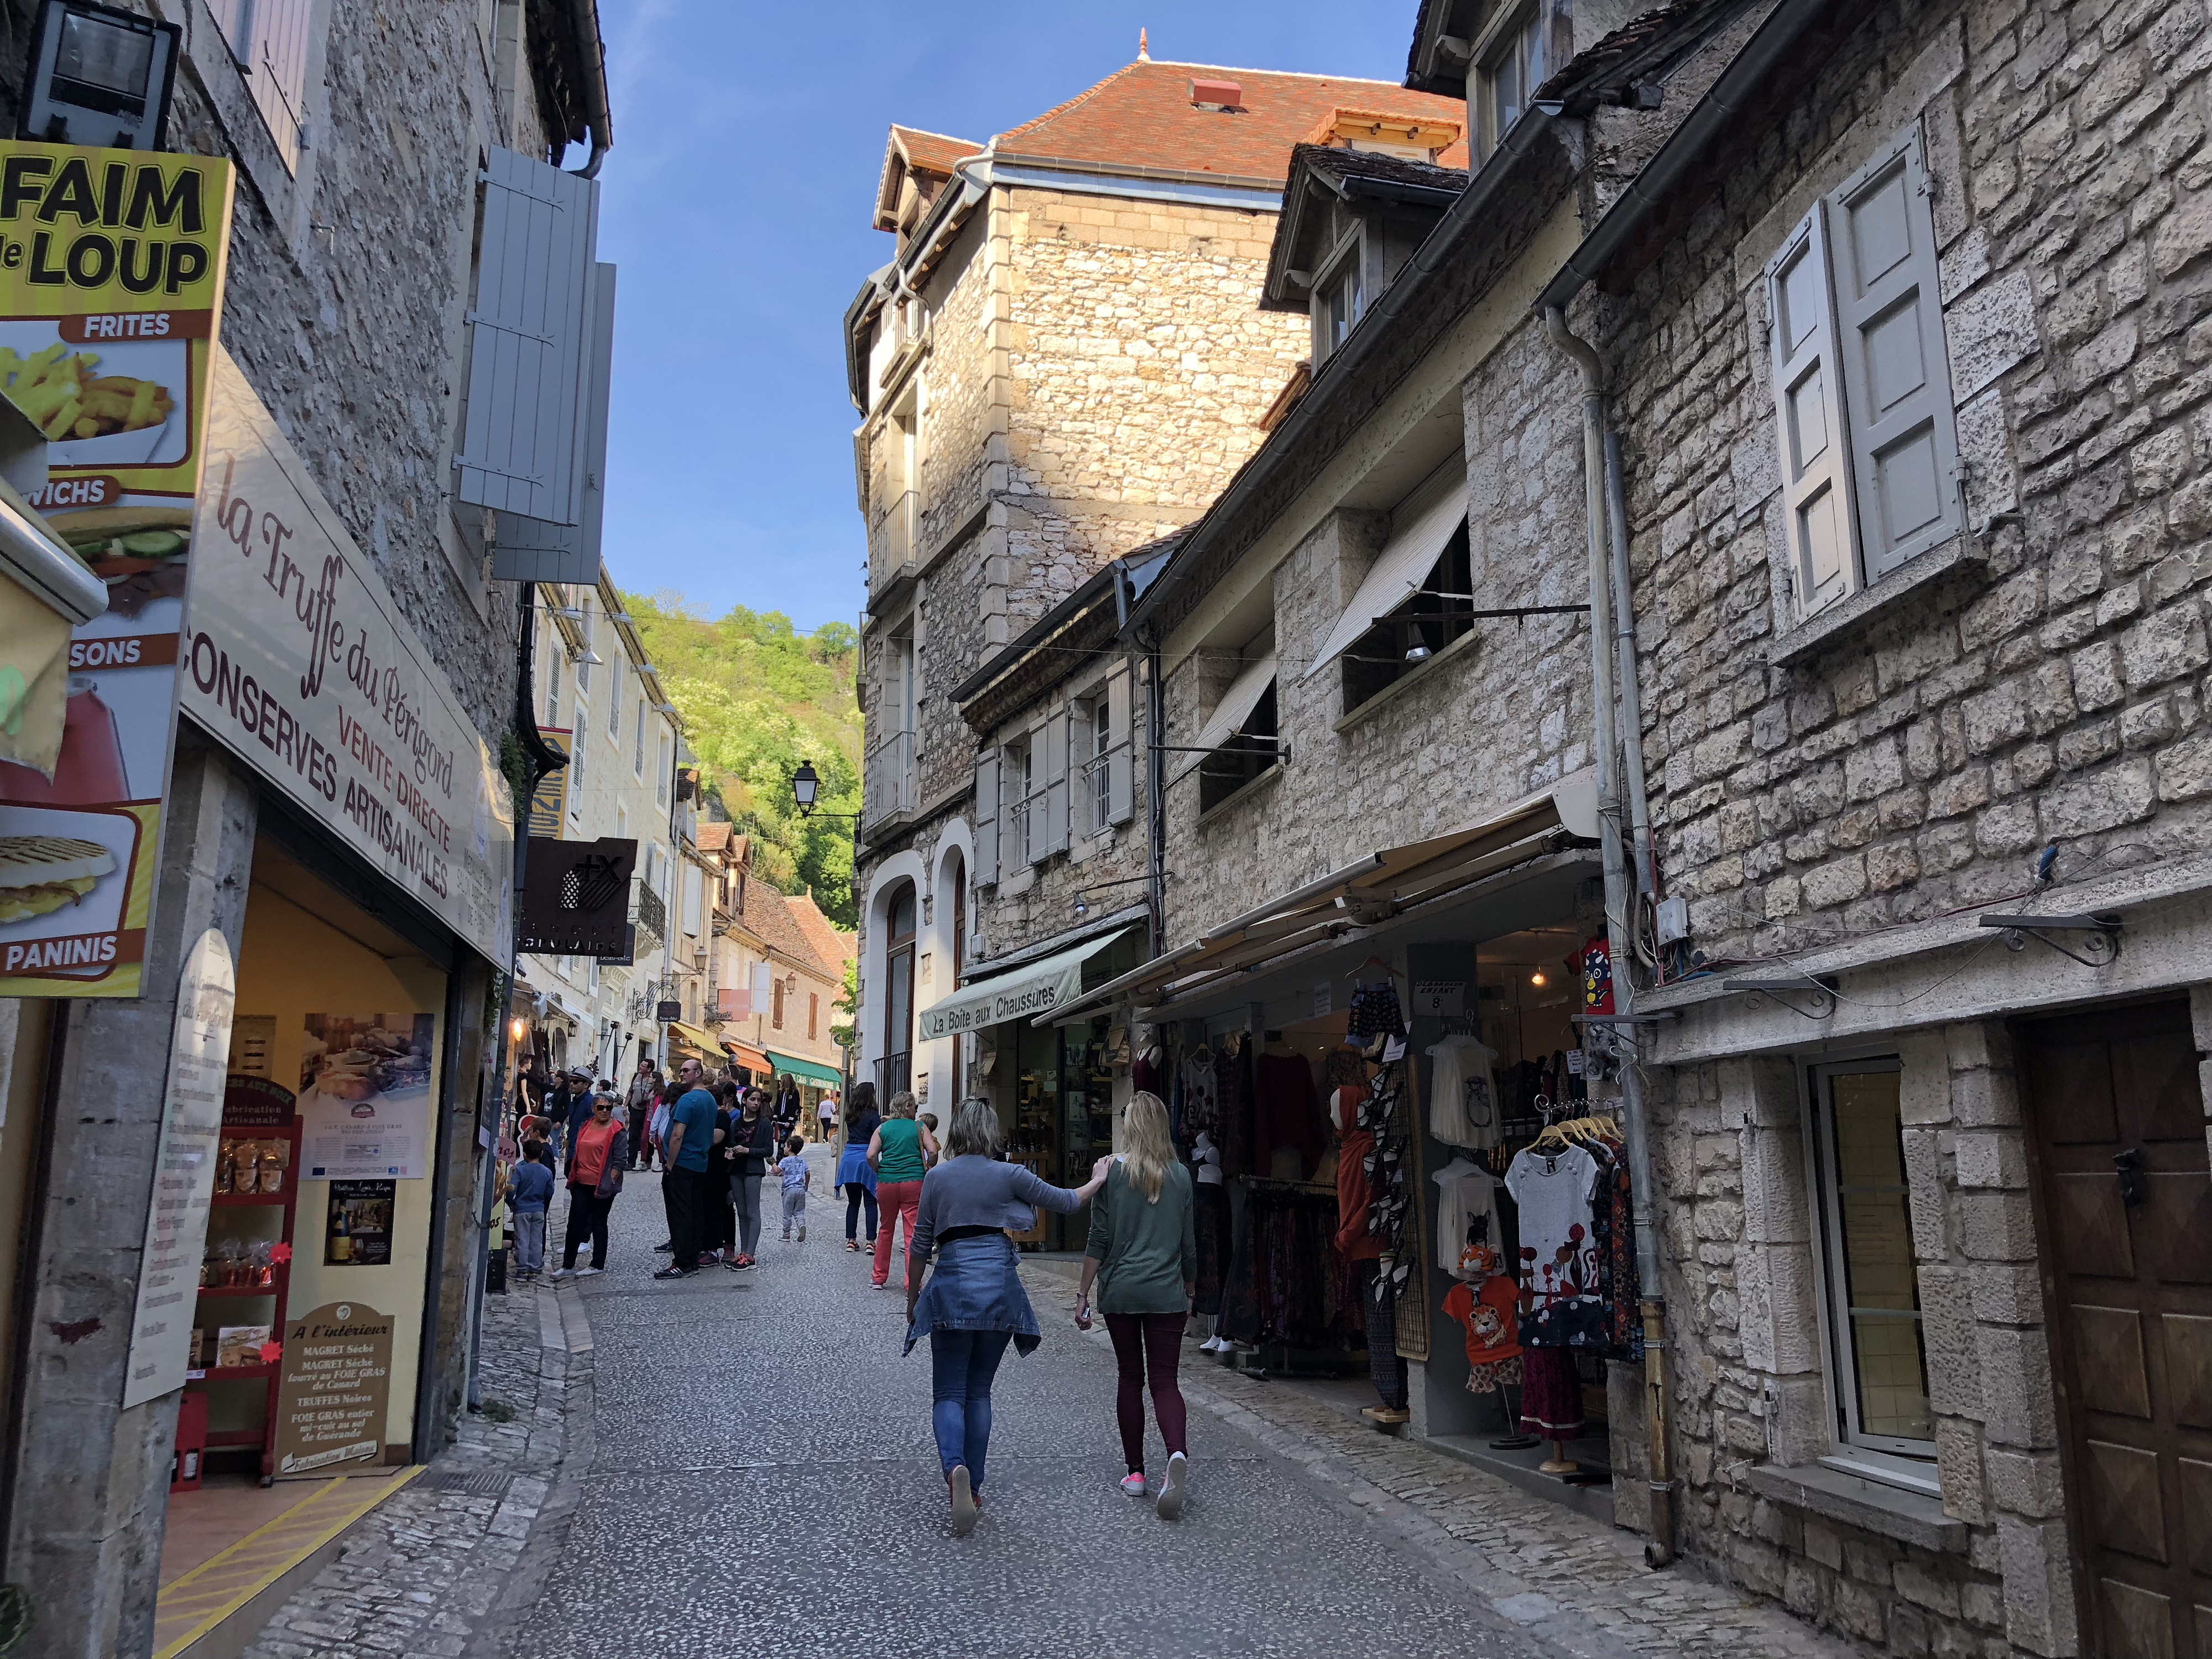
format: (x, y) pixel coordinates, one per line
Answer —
(1674, 920)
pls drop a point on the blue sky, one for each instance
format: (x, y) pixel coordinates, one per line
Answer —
(747, 143)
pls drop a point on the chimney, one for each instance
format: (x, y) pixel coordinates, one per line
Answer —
(1225, 95)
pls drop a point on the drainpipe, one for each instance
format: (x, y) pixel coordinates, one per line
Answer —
(598, 121)
(1603, 647)
(1156, 790)
(1631, 695)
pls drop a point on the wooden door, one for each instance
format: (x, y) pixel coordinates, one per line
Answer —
(2119, 1134)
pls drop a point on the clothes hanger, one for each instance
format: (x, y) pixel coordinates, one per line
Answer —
(1459, 1166)
(1376, 962)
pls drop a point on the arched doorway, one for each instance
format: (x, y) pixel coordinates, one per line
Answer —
(902, 921)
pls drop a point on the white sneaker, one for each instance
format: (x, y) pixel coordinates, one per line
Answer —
(585, 1273)
(1134, 1484)
(1169, 1506)
(562, 1273)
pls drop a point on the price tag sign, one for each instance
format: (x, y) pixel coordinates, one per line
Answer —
(1439, 997)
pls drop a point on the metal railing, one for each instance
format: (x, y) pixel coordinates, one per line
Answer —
(651, 912)
(887, 782)
(893, 1073)
(1095, 795)
(898, 539)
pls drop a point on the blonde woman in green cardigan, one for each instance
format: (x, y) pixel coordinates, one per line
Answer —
(1143, 1257)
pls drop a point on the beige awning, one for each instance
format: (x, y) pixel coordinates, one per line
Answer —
(1365, 894)
(1034, 989)
(1432, 519)
(1230, 715)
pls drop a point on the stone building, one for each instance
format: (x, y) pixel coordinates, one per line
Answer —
(1910, 389)
(356, 310)
(1063, 361)
(1883, 451)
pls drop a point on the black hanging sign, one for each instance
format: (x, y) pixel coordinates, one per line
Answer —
(576, 897)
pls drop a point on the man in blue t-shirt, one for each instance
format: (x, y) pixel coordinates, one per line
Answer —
(691, 1140)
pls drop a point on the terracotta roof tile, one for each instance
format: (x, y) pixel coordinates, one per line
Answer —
(711, 837)
(766, 913)
(933, 152)
(833, 946)
(1142, 116)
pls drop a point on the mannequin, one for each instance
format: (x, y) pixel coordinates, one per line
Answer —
(1211, 1224)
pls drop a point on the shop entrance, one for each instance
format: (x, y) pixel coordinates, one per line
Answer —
(2126, 1206)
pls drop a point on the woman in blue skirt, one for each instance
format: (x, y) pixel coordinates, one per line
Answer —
(855, 1175)
(975, 1304)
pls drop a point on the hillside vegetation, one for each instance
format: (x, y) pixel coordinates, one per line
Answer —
(758, 697)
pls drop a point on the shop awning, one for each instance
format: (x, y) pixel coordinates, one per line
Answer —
(807, 1070)
(1230, 715)
(1362, 895)
(1402, 566)
(745, 1055)
(1034, 989)
(705, 1042)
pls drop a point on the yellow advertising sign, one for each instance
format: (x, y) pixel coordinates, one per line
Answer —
(111, 266)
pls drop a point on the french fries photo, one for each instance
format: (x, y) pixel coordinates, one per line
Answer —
(58, 390)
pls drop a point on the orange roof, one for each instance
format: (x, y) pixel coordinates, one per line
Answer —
(933, 152)
(1143, 117)
(833, 946)
(711, 837)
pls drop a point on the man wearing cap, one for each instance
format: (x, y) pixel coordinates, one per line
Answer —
(578, 1111)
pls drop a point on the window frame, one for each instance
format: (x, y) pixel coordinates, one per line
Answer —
(1344, 262)
(1895, 1460)
(1249, 755)
(1441, 623)
(1521, 33)
(1017, 776)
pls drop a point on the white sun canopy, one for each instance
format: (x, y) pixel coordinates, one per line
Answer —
(1420, 531)
(1235, 708)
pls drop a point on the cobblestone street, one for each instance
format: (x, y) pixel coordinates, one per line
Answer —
(742, 1462)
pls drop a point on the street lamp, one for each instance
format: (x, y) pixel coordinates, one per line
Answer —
(805, 786)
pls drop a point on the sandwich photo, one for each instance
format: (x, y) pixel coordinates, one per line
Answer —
(39, 874)
(138, 551)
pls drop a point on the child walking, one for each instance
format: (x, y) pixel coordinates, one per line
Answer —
(797, 1178)
(527, 1197)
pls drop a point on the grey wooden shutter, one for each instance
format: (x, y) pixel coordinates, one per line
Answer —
(527, 339)
(1897, 381)
(1809, 417)
(1056, 780)
(1119, 781)
(987, 817)
(527, 550)
(1036, 787)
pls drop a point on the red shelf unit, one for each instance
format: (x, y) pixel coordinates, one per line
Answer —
(284, 1204)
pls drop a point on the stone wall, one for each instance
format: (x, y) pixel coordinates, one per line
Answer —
(1503, 715)
(2052, 689)
(1989, 1572)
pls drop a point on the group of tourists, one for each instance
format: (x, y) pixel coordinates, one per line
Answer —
(958, 1204)
(717, 1141)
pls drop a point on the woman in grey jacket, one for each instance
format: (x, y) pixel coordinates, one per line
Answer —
(975, 1304)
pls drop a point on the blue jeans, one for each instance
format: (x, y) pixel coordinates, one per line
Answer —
(962, 1365)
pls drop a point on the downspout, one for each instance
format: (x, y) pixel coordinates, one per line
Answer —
(1631, 695)
(1604, 645)
(597, 117)
(1156, 791)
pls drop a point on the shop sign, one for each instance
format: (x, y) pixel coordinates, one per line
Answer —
(296, 657)
(111, 267)
(548, 802)
(576, 897)
(184, 1174)
(1438, 997)
(664, 1011)
(336, 1381)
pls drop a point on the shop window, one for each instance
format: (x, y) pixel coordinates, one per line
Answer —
(1400, 640)
(1869, 1283)
(1863, 393)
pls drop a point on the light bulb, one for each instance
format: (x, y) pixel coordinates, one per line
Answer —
(515, 1028)
(1536, 978)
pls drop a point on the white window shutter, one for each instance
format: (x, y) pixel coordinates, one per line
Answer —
(1056, 789)
(1809, 418)
(1897, 381)
(528, 339)
(1121, 794)
(527, 550)
(987, 817)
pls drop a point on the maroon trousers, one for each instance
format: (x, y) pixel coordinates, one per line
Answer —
(1147, 1348)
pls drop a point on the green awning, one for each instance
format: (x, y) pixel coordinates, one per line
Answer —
(807, 1070)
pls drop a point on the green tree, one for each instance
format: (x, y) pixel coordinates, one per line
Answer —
(758, 697)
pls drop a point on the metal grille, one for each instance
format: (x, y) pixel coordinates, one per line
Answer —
(481, 1483)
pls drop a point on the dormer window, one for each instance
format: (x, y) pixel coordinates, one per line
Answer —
(1223, 97)
(1515, 60)
(1341, 303)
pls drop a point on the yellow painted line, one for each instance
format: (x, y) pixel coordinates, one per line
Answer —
(195, 1602)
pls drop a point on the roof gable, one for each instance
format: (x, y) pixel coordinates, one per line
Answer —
(927, 157)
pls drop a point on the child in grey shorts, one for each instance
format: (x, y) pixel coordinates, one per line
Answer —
(797, 1178)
